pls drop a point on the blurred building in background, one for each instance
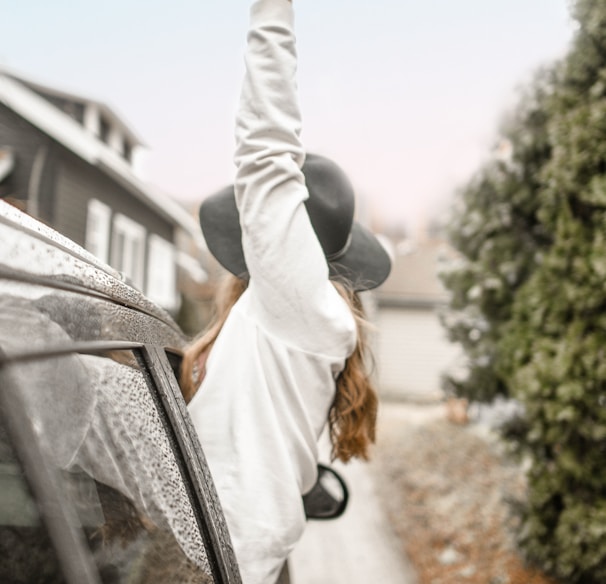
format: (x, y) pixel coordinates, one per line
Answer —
(412, 349)
(68, 161)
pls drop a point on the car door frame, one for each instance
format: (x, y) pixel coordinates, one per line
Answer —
(70, 547)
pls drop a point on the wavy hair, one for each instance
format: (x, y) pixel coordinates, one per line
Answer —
(353, 413)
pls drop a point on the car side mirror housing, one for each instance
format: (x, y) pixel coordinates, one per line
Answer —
(328, 497)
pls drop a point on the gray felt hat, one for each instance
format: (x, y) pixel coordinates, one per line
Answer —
(353, 253)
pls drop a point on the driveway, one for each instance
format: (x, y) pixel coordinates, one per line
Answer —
(357, 548)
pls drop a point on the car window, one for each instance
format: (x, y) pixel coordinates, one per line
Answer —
(100, 427)
(26, 552)
(89, 397)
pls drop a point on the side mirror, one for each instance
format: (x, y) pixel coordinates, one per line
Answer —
(328, 497)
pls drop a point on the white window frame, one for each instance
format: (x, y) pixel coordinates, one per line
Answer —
(161, 282)
(128, 249)
(91, 119)
(98, 222)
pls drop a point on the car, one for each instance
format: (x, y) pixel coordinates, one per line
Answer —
(102, 477)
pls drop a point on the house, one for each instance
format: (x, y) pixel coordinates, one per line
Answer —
(413, 350)
(68, 161)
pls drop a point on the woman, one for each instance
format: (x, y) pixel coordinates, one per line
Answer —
(285, 353)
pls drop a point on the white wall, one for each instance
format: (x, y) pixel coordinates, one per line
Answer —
(412, 352)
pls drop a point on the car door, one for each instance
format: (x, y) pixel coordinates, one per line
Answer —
(102, 478)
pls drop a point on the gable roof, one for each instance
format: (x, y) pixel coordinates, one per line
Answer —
(21, 97)
(108, 113)
(414, 279)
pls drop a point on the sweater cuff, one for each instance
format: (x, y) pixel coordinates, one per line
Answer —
(266, 11)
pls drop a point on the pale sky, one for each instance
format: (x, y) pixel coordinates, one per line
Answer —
(405, 95)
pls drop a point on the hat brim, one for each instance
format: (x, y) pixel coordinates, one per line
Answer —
(365, 265)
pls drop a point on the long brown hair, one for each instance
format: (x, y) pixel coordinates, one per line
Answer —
(192, 366)
(352, 416)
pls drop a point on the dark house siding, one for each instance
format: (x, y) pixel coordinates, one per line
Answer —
(27, 143)
(70, 210)
(63, 183)
(55, 185)
(78, 182)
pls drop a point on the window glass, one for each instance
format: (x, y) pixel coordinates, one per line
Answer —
(26, 553)
(101, 427)
(104, 130)
(128, 151)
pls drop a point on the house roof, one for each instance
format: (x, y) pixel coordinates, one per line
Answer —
(107, 112)
(21, 97)
(414, 279)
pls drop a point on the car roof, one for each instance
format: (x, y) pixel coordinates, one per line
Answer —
(34, 252)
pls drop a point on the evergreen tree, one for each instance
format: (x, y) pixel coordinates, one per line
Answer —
(496, 231)
(554, 347)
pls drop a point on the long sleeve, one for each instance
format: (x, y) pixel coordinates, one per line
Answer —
(288, 270)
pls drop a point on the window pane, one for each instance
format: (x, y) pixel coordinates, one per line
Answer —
(26, 552)
(104, 432)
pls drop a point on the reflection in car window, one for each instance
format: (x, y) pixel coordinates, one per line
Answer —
(26, 553)
(100, 427)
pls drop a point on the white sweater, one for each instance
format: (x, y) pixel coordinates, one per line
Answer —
(270, 378)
